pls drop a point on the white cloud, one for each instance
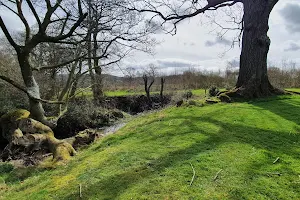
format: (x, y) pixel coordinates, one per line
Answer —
(188, 49)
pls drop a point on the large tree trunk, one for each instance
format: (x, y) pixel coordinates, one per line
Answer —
(36, 109)
(98, 85)
(253, 79)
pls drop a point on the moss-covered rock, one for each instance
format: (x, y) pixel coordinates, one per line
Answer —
(10, 122)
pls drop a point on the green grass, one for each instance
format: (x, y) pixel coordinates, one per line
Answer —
(151, 157)
(197, 92)
(293, 89)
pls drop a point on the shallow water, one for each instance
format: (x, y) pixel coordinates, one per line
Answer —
(112, 129)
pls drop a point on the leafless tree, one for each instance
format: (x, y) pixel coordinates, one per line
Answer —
(253, 80)
(51, 14)
(113, 33)
(149, 78)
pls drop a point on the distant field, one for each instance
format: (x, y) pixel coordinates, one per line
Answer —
(197, 92)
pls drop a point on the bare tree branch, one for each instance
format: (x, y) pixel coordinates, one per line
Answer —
(34, 13)
(8, 36)
(23, 89)
(61, 64)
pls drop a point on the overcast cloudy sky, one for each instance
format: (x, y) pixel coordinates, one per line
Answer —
(197, 46)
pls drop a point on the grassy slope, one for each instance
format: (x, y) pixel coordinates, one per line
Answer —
(151, 157)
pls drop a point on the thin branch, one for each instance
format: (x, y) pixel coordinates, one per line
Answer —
(217, 174)
(23, 89)
(23, 19)
(6, 6)
(8, 36)
(61, 64)
(194, 173)
(34, 12)
(212, 5)
(15, 84)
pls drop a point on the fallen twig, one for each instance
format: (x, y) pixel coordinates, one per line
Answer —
(276, 160)
(273, 173)
(80, 195)
(194, 173)
(217, 174)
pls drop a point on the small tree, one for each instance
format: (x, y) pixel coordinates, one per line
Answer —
(162, 83)
(56, 14)
(149, 78)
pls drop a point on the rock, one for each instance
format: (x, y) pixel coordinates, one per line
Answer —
(179, 103)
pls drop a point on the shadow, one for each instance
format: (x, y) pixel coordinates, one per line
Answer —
(273, 143)
(289, 110)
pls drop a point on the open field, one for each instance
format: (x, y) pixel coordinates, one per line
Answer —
(231, 147)
(196, 92)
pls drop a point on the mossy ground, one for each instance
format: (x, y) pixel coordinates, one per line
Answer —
(151, 157)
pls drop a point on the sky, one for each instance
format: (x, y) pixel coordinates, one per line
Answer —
(196, 44)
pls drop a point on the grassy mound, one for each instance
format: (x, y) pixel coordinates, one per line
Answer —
(232, 148)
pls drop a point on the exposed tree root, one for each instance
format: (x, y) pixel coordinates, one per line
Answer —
(249, 92)
(291, 92)
(30, 138)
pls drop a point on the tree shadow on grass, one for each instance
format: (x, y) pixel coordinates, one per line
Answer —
(288, 110)
(112, 187)
(279, 144)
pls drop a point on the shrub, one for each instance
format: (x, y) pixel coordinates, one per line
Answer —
(6, 168)
(82, 116)
(188, 94)
(213, 91)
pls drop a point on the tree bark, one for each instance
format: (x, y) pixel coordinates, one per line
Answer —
(253, 79)
(98, 85)
(69, 82)
(162, 83)
(36, 109)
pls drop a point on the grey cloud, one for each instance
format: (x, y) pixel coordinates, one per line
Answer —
(291, 14)
(218, 40)
(163, 65)
(175, 63)
(233, 63)
(293, 47)
(170, 65)
(190, 44)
